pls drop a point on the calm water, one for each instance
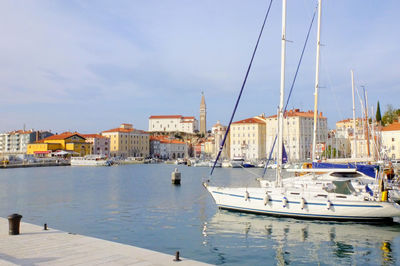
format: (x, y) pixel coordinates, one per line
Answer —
(138, 205)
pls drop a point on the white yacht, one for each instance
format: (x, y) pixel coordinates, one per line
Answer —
(331, 195)
(237, 162)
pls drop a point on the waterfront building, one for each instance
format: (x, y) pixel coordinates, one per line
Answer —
(125, 141)
(337, 146)
(70, 142)
(247, 138)
(345, 128)
(391, 141)
(167, 148)
(298, 134)
(16, 142)
(218, 132)
(100, 145)
(209, 147)
(173, 123)
(203, 116)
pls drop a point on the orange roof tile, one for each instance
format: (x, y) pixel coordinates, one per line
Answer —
(64, 135)
(297, 112)
(118, 129)
(249, 121)
(164, 116)
(93, 136)
(392, 127)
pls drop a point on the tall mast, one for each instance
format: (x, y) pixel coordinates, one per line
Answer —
(354, 117)
(366, 122)
(314, 144)
(282, 95)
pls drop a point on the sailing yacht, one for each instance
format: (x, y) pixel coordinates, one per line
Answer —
(330, 195)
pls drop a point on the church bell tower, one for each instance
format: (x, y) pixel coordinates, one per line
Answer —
(203, 115)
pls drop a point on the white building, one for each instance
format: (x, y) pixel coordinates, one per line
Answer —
(100, 144)
(298, 128)
(247, 138)
(16, 142)
(391, 141)
(173, 123)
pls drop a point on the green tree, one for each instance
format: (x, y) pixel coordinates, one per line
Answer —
(390, 115)
(378, 114)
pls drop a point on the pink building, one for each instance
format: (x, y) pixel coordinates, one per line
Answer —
(100, 144)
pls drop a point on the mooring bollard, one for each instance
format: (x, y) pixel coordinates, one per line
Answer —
(176, 177)
(177, 256)
(13, 223)
(45, 227)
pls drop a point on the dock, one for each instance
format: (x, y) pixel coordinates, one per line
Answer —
(36, 246)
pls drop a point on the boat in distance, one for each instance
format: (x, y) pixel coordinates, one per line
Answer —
(90, 160)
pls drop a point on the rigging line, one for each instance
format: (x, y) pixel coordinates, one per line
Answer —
(292, 86)
(241, 90)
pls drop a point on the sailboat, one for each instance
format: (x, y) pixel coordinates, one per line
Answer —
(330, 195)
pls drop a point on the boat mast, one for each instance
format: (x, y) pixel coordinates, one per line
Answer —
(282, 95)
(366, 122)
(354, 117)
(314, 144)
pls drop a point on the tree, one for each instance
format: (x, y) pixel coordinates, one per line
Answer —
(378, 114)
(390, 115)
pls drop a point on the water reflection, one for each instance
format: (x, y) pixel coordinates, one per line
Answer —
(295, 241)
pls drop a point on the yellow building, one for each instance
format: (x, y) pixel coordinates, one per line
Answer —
(73, 143)
(125, 141)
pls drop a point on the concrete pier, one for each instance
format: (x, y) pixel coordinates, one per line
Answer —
(35, 246)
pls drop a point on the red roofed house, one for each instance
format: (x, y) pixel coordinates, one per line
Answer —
(125, 141)
(173, 123)
(71, 142)
(391, 140)
(166, 148)
(298, 128)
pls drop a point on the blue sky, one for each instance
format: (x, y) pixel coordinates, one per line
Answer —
(92, 65)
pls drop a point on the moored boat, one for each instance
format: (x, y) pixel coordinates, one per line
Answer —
(90, 160)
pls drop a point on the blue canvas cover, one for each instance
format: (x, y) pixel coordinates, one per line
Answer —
(368, 170)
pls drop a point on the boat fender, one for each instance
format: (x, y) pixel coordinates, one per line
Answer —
(328, 204)
(284, 202)
(266, 199)
(302, 203)
(246, 196)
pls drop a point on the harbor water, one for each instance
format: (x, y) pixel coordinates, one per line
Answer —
(138, 205)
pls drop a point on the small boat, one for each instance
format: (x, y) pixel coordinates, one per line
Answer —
(200, 163)
(226, 164)
(248, 165)
(90, 160)
(217, 164)
(237, 162)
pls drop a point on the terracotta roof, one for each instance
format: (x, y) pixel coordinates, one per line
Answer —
(118, 129)
(62, 136)
(297, 112)
(164, 116)
(249, 121)
(163, 139)
(392, 127)
(188, 117)
(93, 136)
(347, 120)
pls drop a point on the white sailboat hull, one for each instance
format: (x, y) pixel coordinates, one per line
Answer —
(254, 200)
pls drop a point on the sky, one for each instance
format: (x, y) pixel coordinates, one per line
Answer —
(89, 66)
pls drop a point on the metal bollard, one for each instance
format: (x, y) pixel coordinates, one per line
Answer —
(13, 223)
(176, 177)
(177, 256)
(45, 227)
